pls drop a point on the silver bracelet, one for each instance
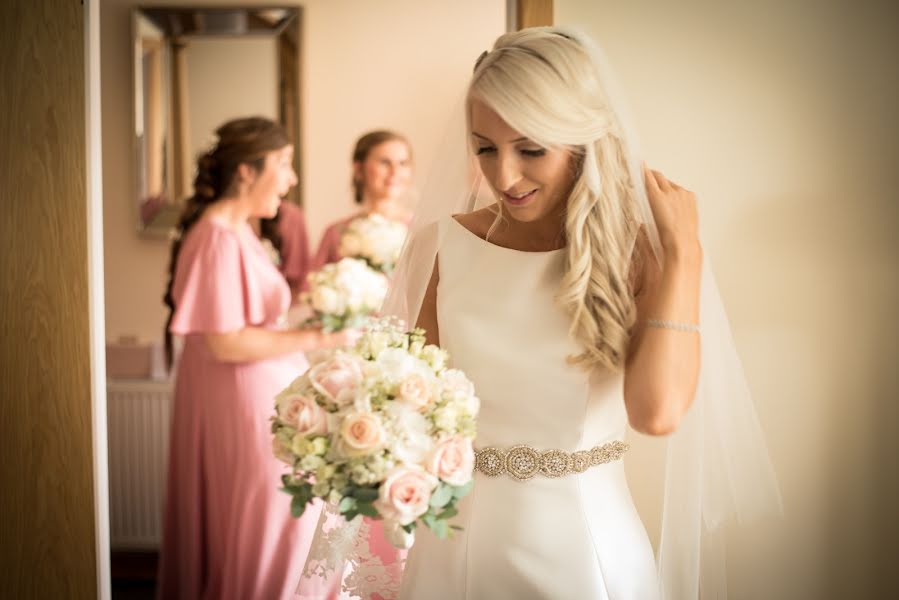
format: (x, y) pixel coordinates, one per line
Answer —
(672, 325)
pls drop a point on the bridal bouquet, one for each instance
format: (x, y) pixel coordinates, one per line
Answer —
(376, 240)
(383, 430)
(344, 293)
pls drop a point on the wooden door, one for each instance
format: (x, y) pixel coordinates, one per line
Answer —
(47, 539)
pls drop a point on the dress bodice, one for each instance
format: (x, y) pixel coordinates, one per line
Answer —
(499, 320)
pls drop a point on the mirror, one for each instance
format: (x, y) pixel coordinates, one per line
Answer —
(194, 69)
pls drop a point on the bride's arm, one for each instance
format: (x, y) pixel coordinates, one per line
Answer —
(662, 369)
(427, 316)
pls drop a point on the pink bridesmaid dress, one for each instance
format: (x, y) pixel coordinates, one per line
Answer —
(295, 257)
(329, 246)
(228, 529)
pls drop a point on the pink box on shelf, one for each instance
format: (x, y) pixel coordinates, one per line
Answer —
(127, 359)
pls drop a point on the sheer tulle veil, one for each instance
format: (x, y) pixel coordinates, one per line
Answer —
(717, 466)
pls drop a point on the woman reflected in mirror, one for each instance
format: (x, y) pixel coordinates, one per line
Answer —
(382, 174)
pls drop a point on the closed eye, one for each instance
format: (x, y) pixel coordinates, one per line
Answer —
(539, 152)
(485, 150)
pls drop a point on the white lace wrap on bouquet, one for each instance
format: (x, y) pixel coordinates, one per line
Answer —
(341, 558)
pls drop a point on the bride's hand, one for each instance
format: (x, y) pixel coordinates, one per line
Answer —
(674, 211)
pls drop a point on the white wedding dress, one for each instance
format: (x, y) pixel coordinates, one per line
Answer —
(576, 536)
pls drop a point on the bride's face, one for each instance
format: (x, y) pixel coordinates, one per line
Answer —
(531, 181)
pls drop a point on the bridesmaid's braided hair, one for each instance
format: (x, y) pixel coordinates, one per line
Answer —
(241, 141)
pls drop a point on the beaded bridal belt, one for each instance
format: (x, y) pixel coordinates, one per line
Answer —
(523, 462)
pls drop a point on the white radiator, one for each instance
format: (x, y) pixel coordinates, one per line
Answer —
(138, 422)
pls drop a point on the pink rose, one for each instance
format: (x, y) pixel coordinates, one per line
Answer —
(414, 390)
(405, 494)
(452, 460)
(304, 414)
(337, 379)
(361, 433)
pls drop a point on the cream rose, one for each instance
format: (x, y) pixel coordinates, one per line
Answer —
(337, 379)
(398, 536)
(361, 434)
(282, 452)
(405, 494)
(304, 414)
(415, 391)
(452, 461)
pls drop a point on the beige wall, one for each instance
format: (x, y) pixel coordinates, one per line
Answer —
(391, 63)
(782, 117)
(227, 78)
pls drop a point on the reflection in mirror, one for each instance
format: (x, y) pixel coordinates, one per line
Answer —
(195, 68)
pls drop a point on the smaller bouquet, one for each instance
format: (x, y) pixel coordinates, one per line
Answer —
(344, 293)
(383, 430)
(376, 240)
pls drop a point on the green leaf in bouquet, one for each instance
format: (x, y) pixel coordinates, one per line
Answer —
(448, 513)
(331, 323)
(347, 504)
(298, 506)
(367, 509)
(409, 528)
(456, 528)
(439, 527)
(442, 495)
(462, 490)
(364, 494)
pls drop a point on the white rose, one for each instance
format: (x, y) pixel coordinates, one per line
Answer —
(411, 442)
(455, 381)
(350, 244)
(328, 301)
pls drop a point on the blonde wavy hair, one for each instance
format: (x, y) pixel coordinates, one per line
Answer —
(544, 83)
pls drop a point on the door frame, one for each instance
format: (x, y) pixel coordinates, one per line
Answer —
(96, 293)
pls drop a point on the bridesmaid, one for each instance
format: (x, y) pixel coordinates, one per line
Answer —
(228, 531)
(382, 172)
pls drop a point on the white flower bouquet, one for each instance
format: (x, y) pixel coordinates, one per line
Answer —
(344, 293)
(376, 240)
(384, 430)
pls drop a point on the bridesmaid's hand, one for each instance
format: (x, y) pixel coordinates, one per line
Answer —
(675, 214)
(342, 338)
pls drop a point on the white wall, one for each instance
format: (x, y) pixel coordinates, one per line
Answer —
(391, 63)
(782, 117)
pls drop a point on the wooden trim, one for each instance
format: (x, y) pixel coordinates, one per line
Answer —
(534, 13)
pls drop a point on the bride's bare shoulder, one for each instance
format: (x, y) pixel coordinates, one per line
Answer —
(477, 222)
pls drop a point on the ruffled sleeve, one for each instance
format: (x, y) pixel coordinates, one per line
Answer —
(213, 291)
(294, 244)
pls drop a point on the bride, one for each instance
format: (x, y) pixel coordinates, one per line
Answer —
(578, 302)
